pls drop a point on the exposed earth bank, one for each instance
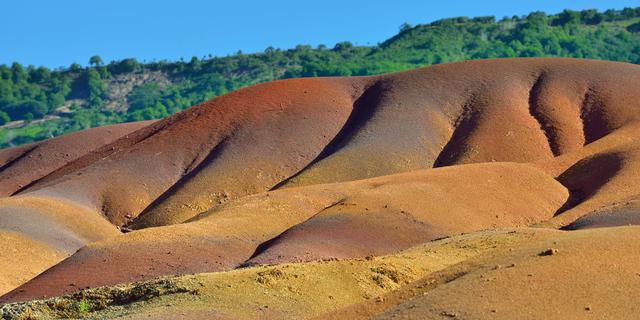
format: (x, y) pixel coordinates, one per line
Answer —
(498, 188)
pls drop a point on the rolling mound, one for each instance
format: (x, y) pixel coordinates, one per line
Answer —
(292, 172)
(351, 220)
(25, 165)
(299, 290)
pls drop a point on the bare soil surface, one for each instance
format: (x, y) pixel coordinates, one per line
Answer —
(502, 188)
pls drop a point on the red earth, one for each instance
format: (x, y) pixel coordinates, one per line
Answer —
(328, 168)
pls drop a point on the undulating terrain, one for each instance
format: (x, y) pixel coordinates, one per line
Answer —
(487, 189)
(38, 103)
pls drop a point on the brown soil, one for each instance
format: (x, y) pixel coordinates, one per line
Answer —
(22, 258)
(346, 168)
(273, 292)
(21, 166)
(352, 220)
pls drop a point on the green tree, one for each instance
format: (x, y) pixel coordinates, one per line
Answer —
(634, 27)
(404, 27)
(33, 108)
(95, 87)
(567, 17)
(74, 67)
(124, 66)
(144, 96)
(95, 61)
(4, 118)
(611, 35)
(591, 16)
(343, 46)
(41, 75)
(18, 73)
(195, 64)
(28, 117)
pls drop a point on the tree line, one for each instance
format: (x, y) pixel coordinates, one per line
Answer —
(30, 93)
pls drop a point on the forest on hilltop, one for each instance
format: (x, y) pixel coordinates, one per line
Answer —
(38, 103)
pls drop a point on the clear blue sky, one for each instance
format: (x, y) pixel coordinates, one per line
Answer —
(57, 33)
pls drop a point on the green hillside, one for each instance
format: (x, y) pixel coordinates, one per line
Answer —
(38, 103)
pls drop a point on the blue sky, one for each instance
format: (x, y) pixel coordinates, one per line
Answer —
(57, 33)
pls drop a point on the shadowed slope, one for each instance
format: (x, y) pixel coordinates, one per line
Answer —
(624, 215)
(392, 213)
(125, 182)
(292, 122)
(598, 176)
(527, 110)
(477, 111)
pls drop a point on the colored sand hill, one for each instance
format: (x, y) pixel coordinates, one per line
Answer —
(484, 189)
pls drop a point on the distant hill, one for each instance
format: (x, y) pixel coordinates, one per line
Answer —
(38, 103)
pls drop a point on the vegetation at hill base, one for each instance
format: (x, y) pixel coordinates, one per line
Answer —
(38, 103)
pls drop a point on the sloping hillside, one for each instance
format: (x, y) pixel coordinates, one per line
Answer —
(509, 182)
(37, 103)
